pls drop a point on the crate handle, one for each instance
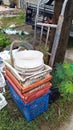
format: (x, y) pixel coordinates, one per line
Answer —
(16, 42)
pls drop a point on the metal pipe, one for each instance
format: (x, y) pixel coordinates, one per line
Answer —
(57, 34)
(64, 6)
(36, 19)
(47, 36)
(41, 34)
(47, 25)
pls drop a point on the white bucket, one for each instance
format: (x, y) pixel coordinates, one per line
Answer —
(28, 61)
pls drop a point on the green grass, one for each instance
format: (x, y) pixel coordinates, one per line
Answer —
(4, 41)
(7, 21)
(12, 119)
(18, 20)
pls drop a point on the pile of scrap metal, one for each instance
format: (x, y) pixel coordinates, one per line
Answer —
(46, 11)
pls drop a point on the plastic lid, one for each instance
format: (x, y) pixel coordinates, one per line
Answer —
(28, 54)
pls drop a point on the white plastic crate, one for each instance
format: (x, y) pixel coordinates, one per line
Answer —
(3, 101)
(2, 83)
(47, 70)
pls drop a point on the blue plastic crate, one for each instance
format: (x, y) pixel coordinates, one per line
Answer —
(32, 109)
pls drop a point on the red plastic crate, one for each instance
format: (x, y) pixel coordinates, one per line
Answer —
(33, 94)
(29, 87)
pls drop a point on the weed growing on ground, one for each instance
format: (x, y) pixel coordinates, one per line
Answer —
(18, 20)
(4, 41)
(63, 79)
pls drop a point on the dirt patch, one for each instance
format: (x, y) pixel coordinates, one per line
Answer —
(44, 127)
(68, 125)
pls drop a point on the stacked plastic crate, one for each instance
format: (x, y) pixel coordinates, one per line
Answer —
(32, 96)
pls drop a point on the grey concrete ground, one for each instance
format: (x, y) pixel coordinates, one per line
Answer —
(68, 125)
(69, 55)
